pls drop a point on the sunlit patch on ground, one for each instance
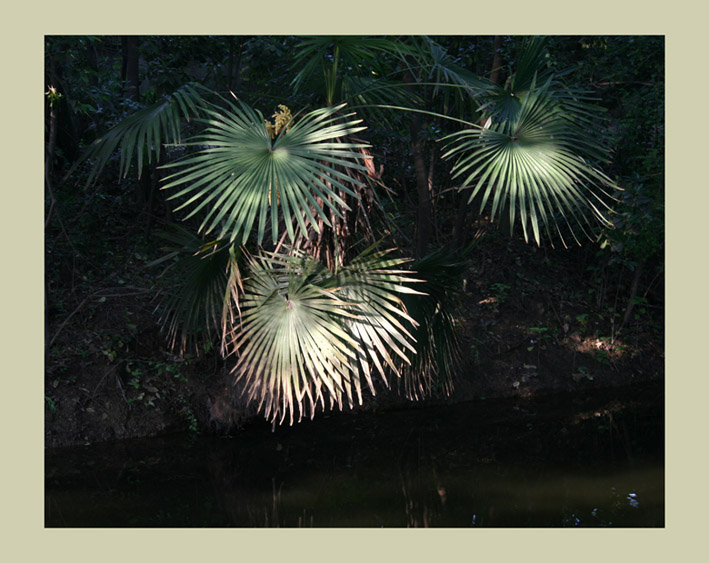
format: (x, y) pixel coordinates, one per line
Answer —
(613, 350)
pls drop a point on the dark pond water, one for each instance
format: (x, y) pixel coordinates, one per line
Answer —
(557, 462)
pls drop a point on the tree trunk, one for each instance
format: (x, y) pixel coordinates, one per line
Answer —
(129, 74)
(48, 164)
(67, 137)
(92, 60)
(495, 73)
(633, 293)
(52, 141)
(461, 227)
(131, 80)
(234, 69)
(230, 63)
(424, 223)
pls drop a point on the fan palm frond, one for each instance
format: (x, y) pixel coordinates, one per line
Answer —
(199, 288)
(442, 69)
(500, 103)
(437, 333)
(531, 66)
(241, 176)
(293, 351)
(308, 336)
(376, 283)
(358, 55)
(535, 163)
(142, 134)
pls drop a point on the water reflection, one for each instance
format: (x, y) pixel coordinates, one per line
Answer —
(471, 465)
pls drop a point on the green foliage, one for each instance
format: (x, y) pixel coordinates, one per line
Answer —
(340, 58)
(144, 132)
(243, 176)
(53, 96)
(638, 231)
(500, 290)
(51, 405)
(541, 334)
(198, 288)
(533, 156)
(186, 411)
(634, 94)
(435, 311)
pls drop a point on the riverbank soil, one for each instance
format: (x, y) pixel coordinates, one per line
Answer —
(534, 321)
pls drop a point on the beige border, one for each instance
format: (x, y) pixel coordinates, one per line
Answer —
(23, 27)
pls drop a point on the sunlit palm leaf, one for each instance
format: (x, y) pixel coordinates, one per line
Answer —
(534, 164)
(376, 284)
(293, 351)
(503, 103)
(241, 177)
(308, 336)
(142, 134)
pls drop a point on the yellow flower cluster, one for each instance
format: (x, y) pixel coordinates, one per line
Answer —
(282, 117)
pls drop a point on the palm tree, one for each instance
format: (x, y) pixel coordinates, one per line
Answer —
(284, 203)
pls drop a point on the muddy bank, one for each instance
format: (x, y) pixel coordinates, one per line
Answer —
(533, 323)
